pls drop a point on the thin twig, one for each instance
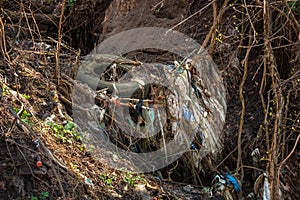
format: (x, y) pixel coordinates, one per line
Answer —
(251, 23)
(189, 17)
(212, 29)
(213, 36)
(3, 43)
(242, 99)
(28, 24)
(59, 37)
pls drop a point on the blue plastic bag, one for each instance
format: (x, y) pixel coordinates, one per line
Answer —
(231, 180)
(188, 114)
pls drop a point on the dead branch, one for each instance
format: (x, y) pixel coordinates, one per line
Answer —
(59, 37)
(14, 16)
(242, 99)
(276, 88)
(213, 36)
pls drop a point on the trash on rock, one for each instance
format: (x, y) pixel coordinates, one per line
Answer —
(151, 106)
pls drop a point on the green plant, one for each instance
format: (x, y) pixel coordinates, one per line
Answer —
(25, 115)
(132, 179)
(109, 180)
(4, 90)
(294, 5)
(42, 196)
(74, 167)
(25, 96)
(71, 3)
(157, 11)
(67, 133)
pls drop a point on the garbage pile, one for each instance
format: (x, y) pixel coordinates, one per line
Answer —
(135, 109)
(225, 186)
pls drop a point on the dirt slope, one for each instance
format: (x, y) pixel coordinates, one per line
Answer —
(29, 88)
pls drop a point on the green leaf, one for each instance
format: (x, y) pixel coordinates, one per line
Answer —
(44, 195)
(16, 110)
(25, 114)
(69, 126)
(25, 96)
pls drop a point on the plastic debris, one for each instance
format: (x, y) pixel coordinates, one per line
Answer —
(262, 187)
(139, 81)
(38, 161)
(101, 116)
(36, 144)
(174, 127)
(179, 70)
(187, 114)
(135, 148)
(149, 116)
(88, 181)
(255, 152)
(172, 101)
(170, 68)
(163, 135)
(201, 135)
(37, 63)
(188, 188)
(192, 146)
(138, 108)
(129, 121)
(251, 196)
(219, 190)
(191, 101)
(231, 180)
(220, 179)
(266, 194)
